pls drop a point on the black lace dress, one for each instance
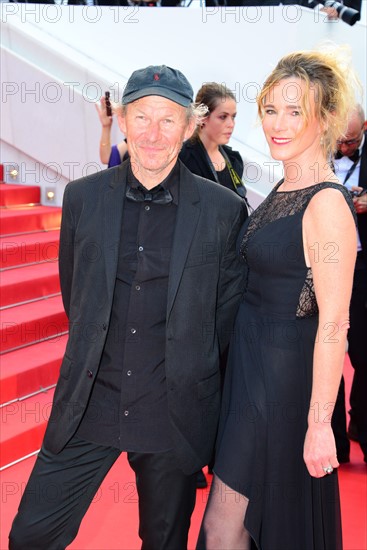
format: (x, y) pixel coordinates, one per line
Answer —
(268, 385)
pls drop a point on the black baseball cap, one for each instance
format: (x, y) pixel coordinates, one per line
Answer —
(158, 80)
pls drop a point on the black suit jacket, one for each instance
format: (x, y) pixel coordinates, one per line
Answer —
(193, 156)
(362, 182)
(205, 286)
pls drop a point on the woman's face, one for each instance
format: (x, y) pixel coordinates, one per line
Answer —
(284, 124)
(219, 125)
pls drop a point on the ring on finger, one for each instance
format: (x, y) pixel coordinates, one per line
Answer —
(328, 469)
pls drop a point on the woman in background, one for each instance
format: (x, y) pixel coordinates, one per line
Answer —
(275, 475)
(207, 154)
(112, 155)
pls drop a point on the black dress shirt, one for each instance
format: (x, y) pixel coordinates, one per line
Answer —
(128, 404)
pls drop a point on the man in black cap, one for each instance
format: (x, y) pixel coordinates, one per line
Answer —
(150, 282)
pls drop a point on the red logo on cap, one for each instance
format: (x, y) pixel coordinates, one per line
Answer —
(156, 76)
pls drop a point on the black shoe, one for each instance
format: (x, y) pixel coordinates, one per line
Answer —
(201, 482)
(352, 431)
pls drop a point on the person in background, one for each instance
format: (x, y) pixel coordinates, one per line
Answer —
(112, 155)
(351, 168)
(332, 13)
(207, 153)
(275, 475)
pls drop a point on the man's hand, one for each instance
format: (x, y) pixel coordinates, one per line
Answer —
(332, 14)
(360, 203)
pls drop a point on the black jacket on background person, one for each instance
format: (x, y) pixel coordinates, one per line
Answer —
(193, 156)
(362, 182)
(204, 289)
(357, 343)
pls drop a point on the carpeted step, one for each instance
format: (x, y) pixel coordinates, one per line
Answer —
(27, 370)
(23, 425)
(19, 194)
(28, 249)
(22, 284)
(26, 324)
(29, 218)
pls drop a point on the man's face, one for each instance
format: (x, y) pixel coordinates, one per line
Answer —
(353, 136)
(155, 128)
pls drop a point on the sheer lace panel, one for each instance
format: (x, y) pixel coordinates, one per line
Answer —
(280, 205)
(307, 304)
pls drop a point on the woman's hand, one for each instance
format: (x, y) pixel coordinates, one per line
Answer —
(319, 451)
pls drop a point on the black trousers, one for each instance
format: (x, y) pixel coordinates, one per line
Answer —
(357, 351)
(61, 488)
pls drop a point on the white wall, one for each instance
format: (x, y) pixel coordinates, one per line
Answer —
(45, 48)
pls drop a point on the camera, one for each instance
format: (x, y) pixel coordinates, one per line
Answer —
(358, 193)
(346, 14)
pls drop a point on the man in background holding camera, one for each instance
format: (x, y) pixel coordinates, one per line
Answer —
(351, 168)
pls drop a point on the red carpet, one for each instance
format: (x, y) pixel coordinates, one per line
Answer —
(30, 218)
(25, 371)
(29, 283)
(33, 322)
(29, 248)
(33, 341)
(24, 324)
(10, 195)
(112, 520)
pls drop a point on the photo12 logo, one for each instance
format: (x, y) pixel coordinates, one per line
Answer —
(55, 13)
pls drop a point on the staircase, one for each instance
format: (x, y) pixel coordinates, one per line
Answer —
(33, 329)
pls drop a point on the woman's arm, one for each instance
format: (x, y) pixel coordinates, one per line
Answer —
(330, 250)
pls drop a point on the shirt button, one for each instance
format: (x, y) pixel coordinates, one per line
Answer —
(129, 373)
(126, 413)
(141, 248)
(133, 330)
(137, 287)
(89, 373)
(147, 207)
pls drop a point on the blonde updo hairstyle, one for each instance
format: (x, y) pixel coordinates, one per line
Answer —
(330, 81)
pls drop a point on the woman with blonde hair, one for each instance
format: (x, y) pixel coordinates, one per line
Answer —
(275, 482)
